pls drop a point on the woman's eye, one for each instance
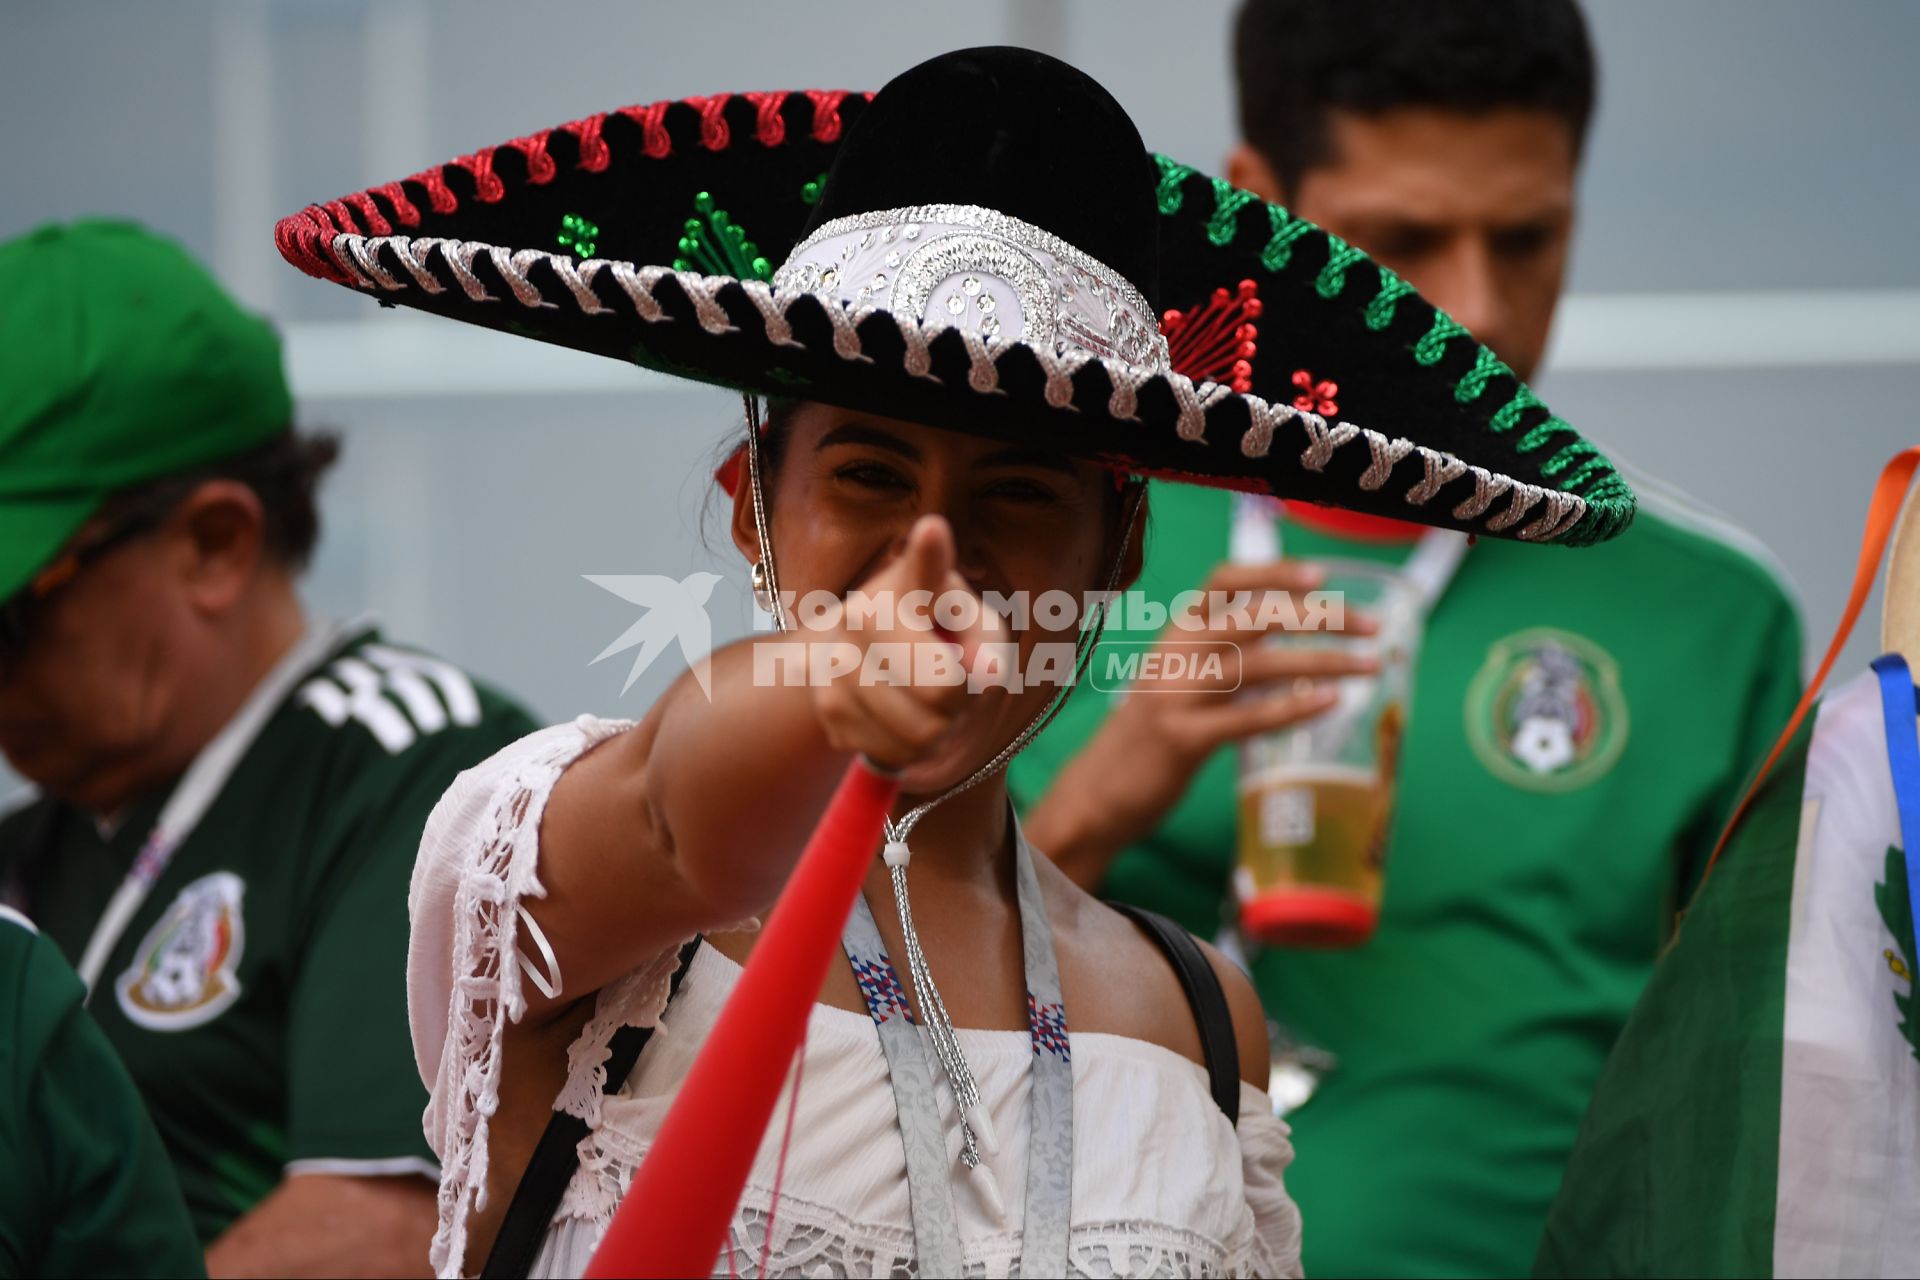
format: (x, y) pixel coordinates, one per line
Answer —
(1021, 491)
(871, 476)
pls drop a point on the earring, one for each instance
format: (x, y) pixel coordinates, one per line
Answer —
(761, 596)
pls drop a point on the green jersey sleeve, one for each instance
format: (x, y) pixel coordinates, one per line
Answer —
(355, 1095)
(85, 1186)
(1773, 686)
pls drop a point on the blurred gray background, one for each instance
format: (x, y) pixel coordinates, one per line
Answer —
(1744, 323)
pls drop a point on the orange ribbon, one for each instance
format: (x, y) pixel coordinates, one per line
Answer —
(1882, 514)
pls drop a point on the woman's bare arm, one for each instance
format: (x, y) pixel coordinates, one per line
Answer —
(689, 821)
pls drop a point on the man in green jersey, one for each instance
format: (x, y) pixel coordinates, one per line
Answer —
(1579, 725)
(85, 1187)
(232, 794)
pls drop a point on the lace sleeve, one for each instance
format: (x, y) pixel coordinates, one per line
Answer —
(1266, 1149)
(478, 862)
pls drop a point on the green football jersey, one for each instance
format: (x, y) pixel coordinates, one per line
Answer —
(85, 1187)
(1580, 724)
(258, 997)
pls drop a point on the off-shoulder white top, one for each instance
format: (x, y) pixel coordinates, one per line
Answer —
(1163, 1185)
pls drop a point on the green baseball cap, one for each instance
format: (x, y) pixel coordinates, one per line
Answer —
(121, 361)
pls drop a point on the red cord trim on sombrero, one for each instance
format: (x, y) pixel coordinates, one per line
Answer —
(440, 197)
(341, 215)
(403, 207)
(540, 166)
(488, 189)
(307, 244)
(376, 221)
(714, 134)
(306, 240)
(769, 125)
(826, 113)
(1215, 342)
(652, 120)
(594, 154)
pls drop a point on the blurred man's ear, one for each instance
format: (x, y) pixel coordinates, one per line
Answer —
(1248, 169)
(220, 533)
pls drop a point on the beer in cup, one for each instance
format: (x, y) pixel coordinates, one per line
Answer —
(1316, 800)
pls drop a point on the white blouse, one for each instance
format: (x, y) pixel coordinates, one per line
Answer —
(1163, 1184)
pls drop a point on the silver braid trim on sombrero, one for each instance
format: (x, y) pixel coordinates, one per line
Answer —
(1549, 513)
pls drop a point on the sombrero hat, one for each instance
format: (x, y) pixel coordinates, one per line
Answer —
(984, 245)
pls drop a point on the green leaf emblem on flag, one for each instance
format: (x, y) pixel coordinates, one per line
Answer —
(1896, 910)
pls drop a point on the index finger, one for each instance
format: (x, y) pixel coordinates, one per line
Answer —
(928, 561)
(1280, 575)
(960, 616)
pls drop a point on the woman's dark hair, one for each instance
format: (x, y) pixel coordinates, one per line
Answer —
(284, 473)
(1297, 60)
(773, 440)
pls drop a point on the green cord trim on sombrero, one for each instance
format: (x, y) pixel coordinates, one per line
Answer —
(1332, 280)
(1486, 367)
(1432, 349)
(1567, 457)
(1392, 289)
(1539, 436)
(1507, 416)
(1610, 503)
(1286, 230)
(1228, 200)
(1597, 467)
(1173, 175)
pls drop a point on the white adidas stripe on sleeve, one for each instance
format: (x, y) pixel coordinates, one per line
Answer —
(397, 695)
(456, 690)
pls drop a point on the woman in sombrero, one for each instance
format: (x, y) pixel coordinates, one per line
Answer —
(951, 298)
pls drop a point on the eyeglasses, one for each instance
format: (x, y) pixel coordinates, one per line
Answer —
(17, 615)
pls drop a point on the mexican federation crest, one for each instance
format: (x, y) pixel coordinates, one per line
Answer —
(184, 972)
(1545, 711)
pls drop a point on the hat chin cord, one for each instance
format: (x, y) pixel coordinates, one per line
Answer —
(976, 1124)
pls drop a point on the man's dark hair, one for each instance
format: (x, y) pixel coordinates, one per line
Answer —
(1296, 60)
(284, 472)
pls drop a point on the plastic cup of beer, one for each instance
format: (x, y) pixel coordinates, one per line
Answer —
(1316, 799)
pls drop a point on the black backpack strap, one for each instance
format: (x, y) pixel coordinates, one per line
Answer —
(1208, 1001)
(557, 1156)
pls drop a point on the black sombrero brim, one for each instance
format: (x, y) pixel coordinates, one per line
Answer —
(1316, 374)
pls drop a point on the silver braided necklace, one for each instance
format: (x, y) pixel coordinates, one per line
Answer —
(976, 1125)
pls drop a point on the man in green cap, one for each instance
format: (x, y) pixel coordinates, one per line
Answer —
(231, 794)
